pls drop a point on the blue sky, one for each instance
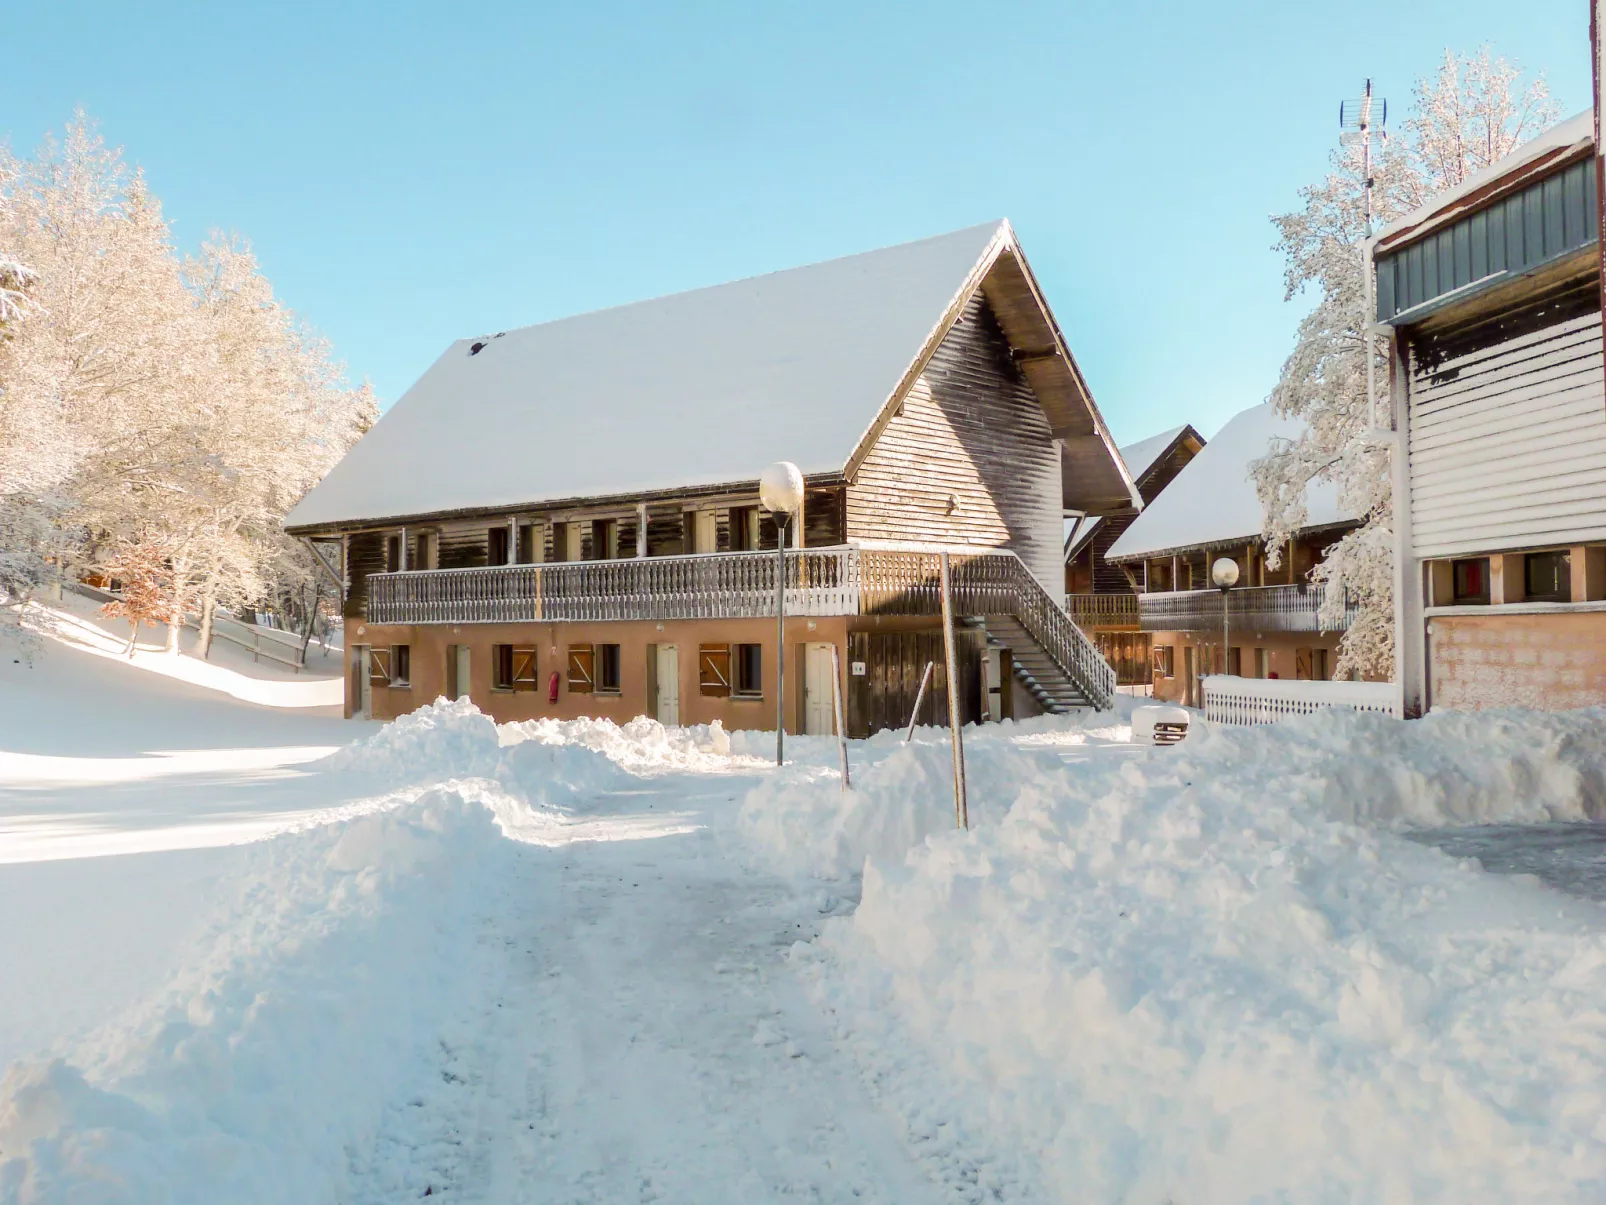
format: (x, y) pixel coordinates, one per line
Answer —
(411, 173)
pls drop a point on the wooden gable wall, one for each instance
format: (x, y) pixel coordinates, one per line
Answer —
(969, 457)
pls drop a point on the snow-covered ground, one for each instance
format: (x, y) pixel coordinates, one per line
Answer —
(249, 960)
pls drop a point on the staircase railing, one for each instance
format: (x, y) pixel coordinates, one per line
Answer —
(846, 580)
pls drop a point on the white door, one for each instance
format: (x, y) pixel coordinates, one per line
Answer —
(363, 696)
(818, 708)
(462, 671)
(668, 677)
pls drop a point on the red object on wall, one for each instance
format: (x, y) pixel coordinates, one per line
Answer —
(552, 688)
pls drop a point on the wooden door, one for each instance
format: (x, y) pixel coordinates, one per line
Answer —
(667, 683)
(362, 699)
(818, 707)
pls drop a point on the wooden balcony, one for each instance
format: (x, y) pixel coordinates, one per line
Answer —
(1103, 610)
(845, 580)
(1251, 608)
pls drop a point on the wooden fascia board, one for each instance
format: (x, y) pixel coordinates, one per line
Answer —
(1183, 436)
(621, 502)
(1495, 190)
(956, 307)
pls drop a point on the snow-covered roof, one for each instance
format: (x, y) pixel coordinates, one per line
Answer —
(1575, 131)
(1213, 501)
(691, 390)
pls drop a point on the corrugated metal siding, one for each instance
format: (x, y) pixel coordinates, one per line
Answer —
(1508, 443)
(969, 460)
(1550, 218)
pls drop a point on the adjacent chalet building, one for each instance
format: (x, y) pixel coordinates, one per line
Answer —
(1492, 295)
(1099, 594)
(564, 520)
(1210, 510)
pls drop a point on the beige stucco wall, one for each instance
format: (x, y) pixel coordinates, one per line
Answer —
(551, 640)
(1552, 661)
(1281, 649)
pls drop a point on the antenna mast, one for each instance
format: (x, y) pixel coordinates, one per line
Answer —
(1359, 121)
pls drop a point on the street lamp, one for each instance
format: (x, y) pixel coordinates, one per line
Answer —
(1224, 573)
(780, 489)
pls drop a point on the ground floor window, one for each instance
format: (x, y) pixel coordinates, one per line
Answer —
(607, 664)
(1165, 661)
(401, 665)
(512, 667)
(1318, 665)
(714, 670)
(749, 670)
(1470, 580)
(1547, 576)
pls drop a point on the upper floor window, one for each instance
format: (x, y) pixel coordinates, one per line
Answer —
(497, 548)
(528, 546)
(1471, 583)
(425, 555)
(744, 528)
(393, 553)
(604, 539)
(1547, 576)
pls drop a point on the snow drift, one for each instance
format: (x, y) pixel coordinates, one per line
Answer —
(1210, 974)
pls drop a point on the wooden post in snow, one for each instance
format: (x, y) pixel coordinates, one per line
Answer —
(955, 721)
(836, 704)
(920, 697)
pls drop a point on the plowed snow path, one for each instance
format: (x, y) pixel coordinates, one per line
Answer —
(640, 1038)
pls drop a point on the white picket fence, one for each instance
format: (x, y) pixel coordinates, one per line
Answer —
(1233, 700)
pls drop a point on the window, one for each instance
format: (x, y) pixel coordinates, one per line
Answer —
(401, 665)
(714, 670)
(607, 668)
(1318, 664)
(1547, 576)
(744, 529)
(496, 550)
(1235, 661)
(749, 670)
(426, 550)
(604, 539)
(1164, 661)
(560, 542)
(1471, 580)
(527, 544)
(512, 667)
(582, 669)
(1159, 578)
(393, 554)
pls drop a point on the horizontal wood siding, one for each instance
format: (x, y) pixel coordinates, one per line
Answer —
(1508, 442)
(365, 554)
(665, 531)
(968, 460)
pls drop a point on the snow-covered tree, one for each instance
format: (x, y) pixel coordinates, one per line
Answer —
(151, 400)
(1473, 111)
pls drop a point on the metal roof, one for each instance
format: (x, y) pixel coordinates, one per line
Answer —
(696, 390)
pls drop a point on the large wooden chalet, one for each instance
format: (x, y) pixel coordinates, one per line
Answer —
(564, 521)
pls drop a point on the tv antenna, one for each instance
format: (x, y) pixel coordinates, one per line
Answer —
(1359, 122)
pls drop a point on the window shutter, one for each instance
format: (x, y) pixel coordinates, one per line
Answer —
(714, 670)
(582, 663)
(379, 666)
(523, 668)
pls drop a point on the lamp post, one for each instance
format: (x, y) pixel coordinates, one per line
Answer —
(780, 489)
(1224, 573)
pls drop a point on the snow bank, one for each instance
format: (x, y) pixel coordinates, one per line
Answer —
(319, 986)
(445, 740)
(1185, 975)
(1490, 767)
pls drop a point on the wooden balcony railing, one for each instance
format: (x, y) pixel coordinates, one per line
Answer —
(1258, 608)
(1103, 610)
(844, 580)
